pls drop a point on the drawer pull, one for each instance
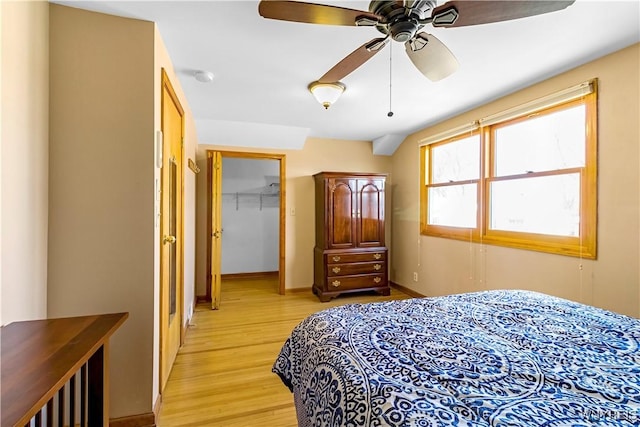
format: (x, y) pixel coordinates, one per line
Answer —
(377, 256)
(336, 283)
(336, 270)
(377, 267)
(336, 258)
(377, 279)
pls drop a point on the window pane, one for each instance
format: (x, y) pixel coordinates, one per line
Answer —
(453, 205)
(543, 205)
(548, 142)
(456, 161)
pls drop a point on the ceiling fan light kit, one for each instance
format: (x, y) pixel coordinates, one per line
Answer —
(326, 93)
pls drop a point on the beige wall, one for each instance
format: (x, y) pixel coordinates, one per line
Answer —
(162, 60)
(316, 156)
(613, 280)
(101, 210)
(92, 150)
(24, 160)
(103, 234)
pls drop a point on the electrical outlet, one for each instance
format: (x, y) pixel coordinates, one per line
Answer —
(415, 276)
(292, 211)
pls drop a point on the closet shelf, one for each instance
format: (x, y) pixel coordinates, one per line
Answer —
(261, 200)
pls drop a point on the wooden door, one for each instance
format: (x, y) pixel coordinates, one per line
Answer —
(215, 158)
(171, 245)
(341, 227)
(370, 212)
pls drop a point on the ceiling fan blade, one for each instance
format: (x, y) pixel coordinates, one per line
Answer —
(459, 13)
(315, 13)
(431, 57)
(354, 60)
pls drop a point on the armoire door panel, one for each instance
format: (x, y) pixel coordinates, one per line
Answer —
(341, 228)
(370, 218)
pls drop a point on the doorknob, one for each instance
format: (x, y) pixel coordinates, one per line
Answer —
(169, 239)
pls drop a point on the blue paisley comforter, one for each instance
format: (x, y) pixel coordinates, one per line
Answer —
(494, 358)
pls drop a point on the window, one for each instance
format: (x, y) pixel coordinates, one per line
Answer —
(454, 185)
(524, 179)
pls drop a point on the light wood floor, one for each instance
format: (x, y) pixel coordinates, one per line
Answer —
(222, 375)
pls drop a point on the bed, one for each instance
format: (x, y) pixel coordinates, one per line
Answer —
(492, 358)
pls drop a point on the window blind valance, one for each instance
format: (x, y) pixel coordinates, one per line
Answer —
(466, 128)
(565, 95)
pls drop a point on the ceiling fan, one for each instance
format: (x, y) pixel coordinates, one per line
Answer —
(403, 21)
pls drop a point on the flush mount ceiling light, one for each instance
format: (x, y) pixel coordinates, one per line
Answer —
(326, 93)
(204, 76)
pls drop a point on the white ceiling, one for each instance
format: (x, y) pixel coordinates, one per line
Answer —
(262, 67)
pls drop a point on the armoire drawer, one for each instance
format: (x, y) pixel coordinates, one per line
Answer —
(355, 282)
(341, 258)
(356, 268)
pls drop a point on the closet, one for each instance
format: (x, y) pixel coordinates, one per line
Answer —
(250, 215)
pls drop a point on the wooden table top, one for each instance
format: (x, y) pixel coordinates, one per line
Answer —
(38, 357)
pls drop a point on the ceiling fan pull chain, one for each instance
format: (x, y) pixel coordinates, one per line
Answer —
(390, 113)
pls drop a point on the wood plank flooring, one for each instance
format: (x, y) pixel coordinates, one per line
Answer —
(222, 375)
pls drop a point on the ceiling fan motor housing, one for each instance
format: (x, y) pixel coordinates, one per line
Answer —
(401, 22)
(402, 31)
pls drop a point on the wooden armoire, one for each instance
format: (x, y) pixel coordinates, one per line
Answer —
(350, 253)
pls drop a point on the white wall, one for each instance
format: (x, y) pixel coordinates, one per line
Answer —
(250, 237)
(24, 160)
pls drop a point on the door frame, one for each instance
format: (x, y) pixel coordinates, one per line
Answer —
(281, 158)
(166, 85)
